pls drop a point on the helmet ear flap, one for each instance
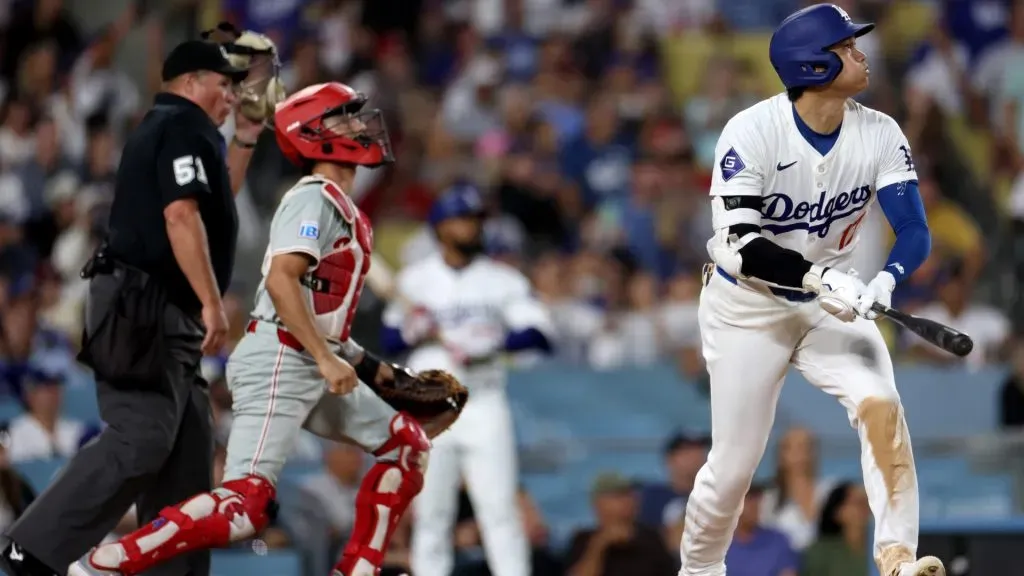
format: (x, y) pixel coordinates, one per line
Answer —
(836, 64)
(821, 70)
(833, 68)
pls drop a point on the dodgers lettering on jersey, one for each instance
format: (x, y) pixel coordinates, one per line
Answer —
(315, 218)
(815, 216)
(811, 203)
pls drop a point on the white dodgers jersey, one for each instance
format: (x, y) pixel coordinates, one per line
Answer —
(811, 203)
(317, 219)
(474, 307)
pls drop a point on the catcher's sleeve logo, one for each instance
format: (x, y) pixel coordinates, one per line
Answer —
(309, 229)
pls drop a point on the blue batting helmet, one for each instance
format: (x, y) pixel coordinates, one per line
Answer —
(457, 201)
(799, 48)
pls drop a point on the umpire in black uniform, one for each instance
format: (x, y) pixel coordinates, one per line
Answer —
(154, 308)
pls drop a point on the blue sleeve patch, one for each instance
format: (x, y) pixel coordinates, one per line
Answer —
(731, 164)
(309, 229)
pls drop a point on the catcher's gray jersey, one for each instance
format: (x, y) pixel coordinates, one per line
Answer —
(276, 387)
(315, 218)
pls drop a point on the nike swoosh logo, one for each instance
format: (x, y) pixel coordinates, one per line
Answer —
(780, 167)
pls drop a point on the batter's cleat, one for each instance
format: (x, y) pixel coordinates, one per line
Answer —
(927, 566)
(85, 567)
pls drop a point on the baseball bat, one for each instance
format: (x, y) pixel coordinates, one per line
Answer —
(381, 278)
(950, 340)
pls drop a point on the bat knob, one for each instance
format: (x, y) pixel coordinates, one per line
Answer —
(962, 345)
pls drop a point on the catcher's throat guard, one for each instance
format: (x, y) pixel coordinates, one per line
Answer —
(435, 398)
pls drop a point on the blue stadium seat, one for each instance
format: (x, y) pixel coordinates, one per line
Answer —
(632, 404)
(240, 563)
(10, 408)
(80, 398)
(39, 473)
(301, 515)
(939, 403)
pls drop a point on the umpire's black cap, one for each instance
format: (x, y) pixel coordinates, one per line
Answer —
(199, 55)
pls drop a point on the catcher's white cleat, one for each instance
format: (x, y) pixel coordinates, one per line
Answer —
(84, 567)
(927, 566)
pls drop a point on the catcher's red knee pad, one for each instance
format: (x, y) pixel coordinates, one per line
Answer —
(408, 445)
(385, 494)
(238, 510)
(255, 500)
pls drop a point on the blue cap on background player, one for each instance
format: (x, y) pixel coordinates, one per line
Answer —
(799, 48)
(459, 200)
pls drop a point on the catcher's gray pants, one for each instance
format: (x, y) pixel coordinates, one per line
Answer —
(276, 392)
(156, 451)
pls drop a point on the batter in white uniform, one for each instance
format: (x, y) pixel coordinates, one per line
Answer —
(461, 311)
(795, 176)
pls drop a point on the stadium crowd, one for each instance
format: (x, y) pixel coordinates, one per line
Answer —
(590, 125)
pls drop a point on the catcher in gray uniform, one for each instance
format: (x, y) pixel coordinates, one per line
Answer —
(297, 366)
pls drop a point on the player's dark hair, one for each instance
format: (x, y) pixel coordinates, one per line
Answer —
(794, 94)
(829, 524)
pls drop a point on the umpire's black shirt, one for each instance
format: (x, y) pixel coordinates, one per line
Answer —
(176, 152)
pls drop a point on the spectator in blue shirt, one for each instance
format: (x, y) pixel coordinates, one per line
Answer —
(663, 504)
(637, 216)
(756, 550)
(517, 45)
(978, 24)
(281, 20)
(598, 160)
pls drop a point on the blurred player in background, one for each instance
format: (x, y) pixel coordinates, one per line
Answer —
(459, 310)
(297, 366)
(795, 176)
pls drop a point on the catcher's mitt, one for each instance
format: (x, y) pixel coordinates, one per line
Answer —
(434, 397)
(262, 89)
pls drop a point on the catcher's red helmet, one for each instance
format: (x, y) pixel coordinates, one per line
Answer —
(327, 123)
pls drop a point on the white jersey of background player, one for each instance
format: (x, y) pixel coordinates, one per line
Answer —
(794, 177)
(461, 311)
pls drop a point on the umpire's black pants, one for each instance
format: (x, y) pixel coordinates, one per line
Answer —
(156, 451)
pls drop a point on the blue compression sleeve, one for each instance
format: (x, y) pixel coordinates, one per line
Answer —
(528, 339)
(901, 203)
(391, 341)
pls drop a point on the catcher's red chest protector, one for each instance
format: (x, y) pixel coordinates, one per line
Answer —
(337, 281)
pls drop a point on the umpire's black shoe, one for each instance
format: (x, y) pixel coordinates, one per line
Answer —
(15, 561)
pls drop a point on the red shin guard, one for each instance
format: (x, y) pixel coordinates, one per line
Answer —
(385, 493)
(233, 512)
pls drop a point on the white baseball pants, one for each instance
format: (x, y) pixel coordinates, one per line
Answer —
(749, 341)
